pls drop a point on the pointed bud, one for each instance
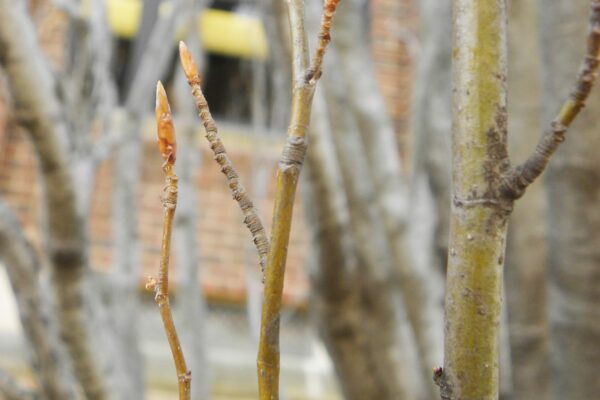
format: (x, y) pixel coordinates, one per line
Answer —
(189, 66)
(164, 125)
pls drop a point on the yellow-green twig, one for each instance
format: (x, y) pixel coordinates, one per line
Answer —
(305, 78)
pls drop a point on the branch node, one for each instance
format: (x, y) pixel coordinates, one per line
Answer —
(293, 152)
(439, 378)
(519, 178)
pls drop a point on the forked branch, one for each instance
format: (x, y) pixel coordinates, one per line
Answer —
(251, 218)
(520, 177)
(305, 77)
(168, 148)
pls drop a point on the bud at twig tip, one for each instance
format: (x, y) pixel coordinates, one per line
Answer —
(164, 125)
(162, 102)
(189, 66)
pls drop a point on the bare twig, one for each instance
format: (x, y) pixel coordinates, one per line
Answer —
(520, 177)
(290, 164)
(329, 7)
(167, 147)
(33, 89)
(251, 218)
(272, 260)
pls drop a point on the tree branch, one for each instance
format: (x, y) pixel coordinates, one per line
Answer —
(300, 56)
(33, 88)
(22, 266)
(251, 218)
(329, 8)
(290, 164)
(520, 177)
(167, 146)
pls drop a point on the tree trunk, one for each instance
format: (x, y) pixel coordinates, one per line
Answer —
(525, 277)
(479, 214)
(573, 195)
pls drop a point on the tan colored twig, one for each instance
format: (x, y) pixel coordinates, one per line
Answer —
(520, 177)
(168, 148)
(251, 218)
(329, 7)
(305, 78)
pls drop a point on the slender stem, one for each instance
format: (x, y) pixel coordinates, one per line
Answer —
(290, 164)
(166, 140)
(251, 218)
(520, 177)
(273, 259)
(300, 56)
(329, 8)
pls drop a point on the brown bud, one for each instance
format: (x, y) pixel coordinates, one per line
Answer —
(189, 66)
(164, 126)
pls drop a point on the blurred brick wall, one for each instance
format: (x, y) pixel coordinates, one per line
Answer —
(222, 237)
(394, 25)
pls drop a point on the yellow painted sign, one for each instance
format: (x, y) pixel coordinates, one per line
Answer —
(222, 32)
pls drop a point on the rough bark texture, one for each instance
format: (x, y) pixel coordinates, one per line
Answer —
(190, 300)
(573, 195)
(479, 215)
(23, 268)
(525, 276)
(40, 113)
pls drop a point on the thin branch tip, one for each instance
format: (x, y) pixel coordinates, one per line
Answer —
(189, 65)
(165, 130)
(240, 195)
(314, 72)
